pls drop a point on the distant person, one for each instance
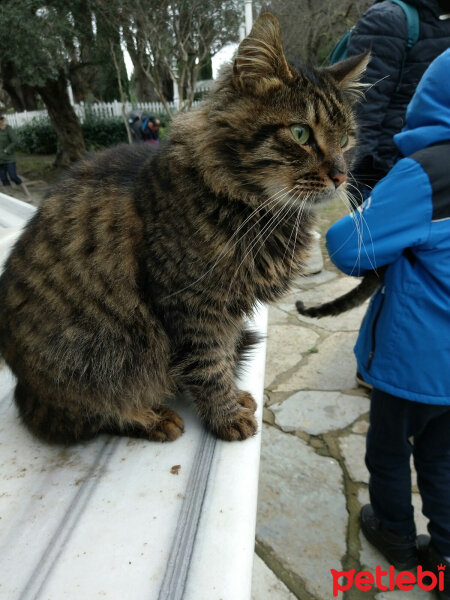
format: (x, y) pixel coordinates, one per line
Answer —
(150, 130)
(393, 74)
(8, 141)
(143, 127)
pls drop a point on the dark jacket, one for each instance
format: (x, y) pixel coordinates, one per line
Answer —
(384, 28)
(403, 346)
(8, 142)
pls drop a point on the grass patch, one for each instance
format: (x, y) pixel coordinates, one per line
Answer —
(37, 166)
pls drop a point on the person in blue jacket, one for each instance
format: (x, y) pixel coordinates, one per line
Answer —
(403, 348)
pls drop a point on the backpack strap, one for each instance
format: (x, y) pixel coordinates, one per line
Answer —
(413, 26)
(340, 50)
(412, 20)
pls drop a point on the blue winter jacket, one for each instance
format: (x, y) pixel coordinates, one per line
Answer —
(404, 343)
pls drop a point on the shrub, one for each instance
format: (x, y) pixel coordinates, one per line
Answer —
(38, 136)
(100, 132)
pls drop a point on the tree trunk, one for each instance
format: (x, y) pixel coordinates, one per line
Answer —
(22, 96)
(144, 89)
(64, 121)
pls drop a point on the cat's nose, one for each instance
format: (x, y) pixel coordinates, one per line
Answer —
(338, 178)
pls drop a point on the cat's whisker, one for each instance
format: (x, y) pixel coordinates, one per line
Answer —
(369, 86)
(360, 221)
(273, 219)
(297, 227)
(353, 210)
(364, 222)
(300, 211)
(269, 202)
(287, 216)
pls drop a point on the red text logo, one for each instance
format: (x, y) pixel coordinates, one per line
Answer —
(387, 580)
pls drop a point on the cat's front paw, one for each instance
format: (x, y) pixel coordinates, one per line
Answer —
(169, 426)
(242, 424)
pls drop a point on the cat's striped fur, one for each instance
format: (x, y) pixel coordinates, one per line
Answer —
(134, 277)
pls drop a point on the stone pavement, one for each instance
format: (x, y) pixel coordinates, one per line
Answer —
(36, 191)
(313, 480)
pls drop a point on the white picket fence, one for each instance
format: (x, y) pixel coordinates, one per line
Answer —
(101, 109)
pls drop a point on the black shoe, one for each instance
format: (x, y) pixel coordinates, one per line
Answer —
(399, 551)
(430, 558)
(362, 382)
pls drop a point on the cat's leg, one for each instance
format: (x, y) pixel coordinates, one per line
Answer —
(208, 372)
(160, 424)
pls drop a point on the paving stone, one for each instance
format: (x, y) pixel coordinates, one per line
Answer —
(415, 594)
(277, 316)
(334, 288)
(318, 412)
(309, 281)
(353, 449)
(361, 427)
(314, 262)
(302, 512)
(285, 347)
(333, 367)
(265, 585)
(287, 304)
(348, 321)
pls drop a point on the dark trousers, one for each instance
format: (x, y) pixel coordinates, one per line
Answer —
(9, 169)
(393, 421)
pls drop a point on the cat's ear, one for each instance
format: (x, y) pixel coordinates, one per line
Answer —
(347, 74)
(260, 64)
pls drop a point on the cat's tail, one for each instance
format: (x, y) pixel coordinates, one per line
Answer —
(351, 299)
(246, 345)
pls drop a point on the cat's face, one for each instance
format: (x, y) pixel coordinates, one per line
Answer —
(285, 131)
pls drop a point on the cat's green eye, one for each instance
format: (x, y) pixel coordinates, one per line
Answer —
(344, 140)
(301, 133)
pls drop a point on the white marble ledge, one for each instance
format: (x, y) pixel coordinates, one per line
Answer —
(13, 216)
(110, 519)
(14, 213)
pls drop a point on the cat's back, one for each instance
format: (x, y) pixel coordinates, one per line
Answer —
(88, 213)
(75, 268)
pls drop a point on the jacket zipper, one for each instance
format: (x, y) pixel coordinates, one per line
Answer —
(374, 327)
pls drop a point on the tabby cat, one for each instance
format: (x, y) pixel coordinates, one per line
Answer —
(133, 279)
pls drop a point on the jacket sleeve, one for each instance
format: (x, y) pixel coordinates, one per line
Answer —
(383, 29)
(12, 141)
(396, 216)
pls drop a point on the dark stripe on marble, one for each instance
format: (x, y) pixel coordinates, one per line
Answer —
(177, 568)
(41, 574)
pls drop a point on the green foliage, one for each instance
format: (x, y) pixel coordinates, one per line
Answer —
(32, 37)
(38, 136)
(100, 132)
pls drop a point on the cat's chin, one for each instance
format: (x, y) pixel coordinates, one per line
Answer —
(324, 198)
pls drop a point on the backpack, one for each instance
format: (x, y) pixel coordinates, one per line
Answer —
(340, 50)
(137, 120)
